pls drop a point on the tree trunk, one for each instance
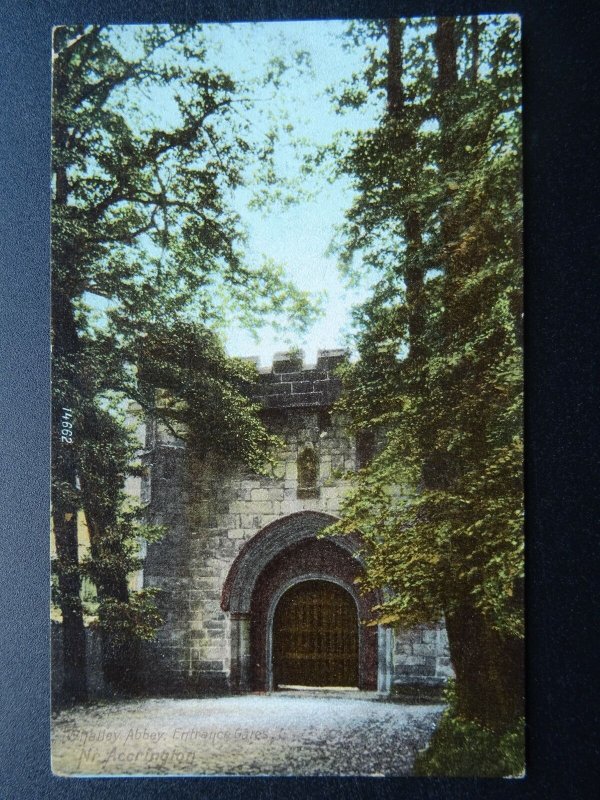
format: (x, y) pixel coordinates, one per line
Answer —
(474, 49)
(64, 352)
(74, 688)
(120, 660)
(444, 43)
(64, 516)
(395, 92)
(445, 46)
(489, 669)
(413, 275)
(65, 346)
(414, 280)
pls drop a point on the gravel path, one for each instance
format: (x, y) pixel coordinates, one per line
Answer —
(279, 734)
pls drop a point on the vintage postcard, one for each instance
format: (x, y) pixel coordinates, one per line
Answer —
(287, 501)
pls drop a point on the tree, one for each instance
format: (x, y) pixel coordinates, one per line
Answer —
(438, 215)
(149, 143)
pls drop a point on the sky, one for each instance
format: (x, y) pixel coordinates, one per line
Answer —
(298, 236)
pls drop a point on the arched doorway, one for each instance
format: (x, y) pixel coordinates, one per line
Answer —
(315, 636)
(285, 553)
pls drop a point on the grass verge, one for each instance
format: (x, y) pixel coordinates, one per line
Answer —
(462, 748)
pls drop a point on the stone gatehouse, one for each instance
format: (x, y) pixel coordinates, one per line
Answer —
(252, 597)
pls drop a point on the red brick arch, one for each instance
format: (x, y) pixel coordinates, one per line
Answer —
(288, 551)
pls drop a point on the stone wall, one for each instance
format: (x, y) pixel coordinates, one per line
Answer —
(421, 660)
(210, 512)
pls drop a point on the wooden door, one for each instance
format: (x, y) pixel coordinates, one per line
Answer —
(315, 636)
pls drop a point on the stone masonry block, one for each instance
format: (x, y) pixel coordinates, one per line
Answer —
(250, 484)
(264, 507)
(409, 637)
(289, 506)
(443, 640)
(426, 669)
(210, 666)
(287, 401)
(329, 359)
(280, 388)
(291, 471)
(443, 667)
(422, 649)
(301, 387)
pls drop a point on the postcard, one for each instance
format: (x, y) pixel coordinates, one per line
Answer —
(287, 450)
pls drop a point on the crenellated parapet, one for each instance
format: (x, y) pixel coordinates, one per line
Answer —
(289, 383)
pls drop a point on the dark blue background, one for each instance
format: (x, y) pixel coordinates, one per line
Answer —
(561, 179)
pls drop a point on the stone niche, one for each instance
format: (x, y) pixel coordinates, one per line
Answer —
(236, 542)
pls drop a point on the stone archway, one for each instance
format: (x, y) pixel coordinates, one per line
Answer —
(282, 554)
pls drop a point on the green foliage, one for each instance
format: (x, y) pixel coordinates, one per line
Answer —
(440, 506)
(149, 145)
(437, 217)
(136, 619)
(124, 625)
(461, 748)
(203, 397)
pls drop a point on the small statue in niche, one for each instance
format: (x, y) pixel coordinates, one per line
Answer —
(308, 468)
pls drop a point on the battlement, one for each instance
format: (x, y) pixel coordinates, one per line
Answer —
(289, 383)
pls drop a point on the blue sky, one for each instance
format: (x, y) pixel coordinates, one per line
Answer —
(298, 236)
(295, 235)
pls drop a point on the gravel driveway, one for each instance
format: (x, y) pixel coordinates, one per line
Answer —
(278, 734)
